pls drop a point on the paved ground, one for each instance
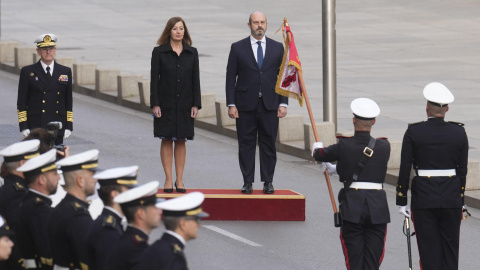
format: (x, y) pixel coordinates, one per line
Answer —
(124, 137)
(386, 51)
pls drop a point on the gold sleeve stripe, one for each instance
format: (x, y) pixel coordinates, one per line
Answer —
(70, 116)
(22, 116)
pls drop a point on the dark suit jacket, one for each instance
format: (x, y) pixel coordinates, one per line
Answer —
(244, 78)
(42, 100)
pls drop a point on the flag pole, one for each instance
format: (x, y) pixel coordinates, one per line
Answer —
(314, 127)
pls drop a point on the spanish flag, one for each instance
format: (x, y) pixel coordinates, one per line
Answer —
(288, 83)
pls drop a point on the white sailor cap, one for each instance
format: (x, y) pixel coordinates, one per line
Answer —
(438, 94)
(39, 164)
(21, 151)
(365, 109)
(87, 160)
(189, 205)
(118, 176)
(142, 195)
(46, 40)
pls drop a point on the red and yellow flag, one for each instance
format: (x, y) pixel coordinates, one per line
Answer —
(288, 83)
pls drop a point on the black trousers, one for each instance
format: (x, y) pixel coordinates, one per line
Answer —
(438, 236)
(264, 124)
(363, 243)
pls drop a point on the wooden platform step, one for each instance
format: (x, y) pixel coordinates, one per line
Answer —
(231, 204)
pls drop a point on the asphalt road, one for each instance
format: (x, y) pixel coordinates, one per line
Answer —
(125, 137)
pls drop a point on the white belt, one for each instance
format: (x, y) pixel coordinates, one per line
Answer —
(448, 172)
(29, 263)
(58, 267)
(366, 185)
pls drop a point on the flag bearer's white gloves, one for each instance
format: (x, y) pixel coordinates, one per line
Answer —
(316, 145)
(404, 211)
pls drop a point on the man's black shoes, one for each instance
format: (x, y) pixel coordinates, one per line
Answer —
(268, 188)
(247, 188)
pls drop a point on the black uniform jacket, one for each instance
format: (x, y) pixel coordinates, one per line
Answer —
(244, 78)
(164, 254)
(434, 145)
(42, 100)
(11, 195)
(103, 235)
(67, 229)
(31, 230)
(128, 250)
(175, 87)
(348, 152)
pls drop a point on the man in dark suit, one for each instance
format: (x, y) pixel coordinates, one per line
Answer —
(363, 204)
(45, 92)
(31, 228)
(252, 72)
(105, 231)
(181, 217)
(438, 151)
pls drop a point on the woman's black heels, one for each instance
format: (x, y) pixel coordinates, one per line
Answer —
(167, 190)
(180, 190)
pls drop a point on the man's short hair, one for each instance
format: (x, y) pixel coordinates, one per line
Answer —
(129, 211)
(104, 193)
(171, 223)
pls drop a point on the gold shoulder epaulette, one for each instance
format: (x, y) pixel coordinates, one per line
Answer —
(109, 221)
(457, 123)
(176, 248)
(78, 207)
(411, 124)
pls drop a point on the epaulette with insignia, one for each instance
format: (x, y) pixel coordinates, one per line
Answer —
(38, 201)
(457, 123)
(176, 248)
(138, 239)
(18, 186)
(411, 124)
(78, 207)
(109, 221)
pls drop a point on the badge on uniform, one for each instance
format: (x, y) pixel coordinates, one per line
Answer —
(32, 74)
(63, 78)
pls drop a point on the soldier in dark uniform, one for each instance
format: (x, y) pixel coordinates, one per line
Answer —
(31, 228)
(138, 205)
(438, 151)
(181, 217)
(364, 204)
(45, 92)
(70, 220)
(15, 188)
(108, 227)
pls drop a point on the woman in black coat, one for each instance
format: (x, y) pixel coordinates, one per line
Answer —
(174, 97)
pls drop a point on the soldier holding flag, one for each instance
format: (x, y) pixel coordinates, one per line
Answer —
(362, 166)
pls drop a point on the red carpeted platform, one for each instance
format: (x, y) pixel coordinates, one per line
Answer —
(231, 204)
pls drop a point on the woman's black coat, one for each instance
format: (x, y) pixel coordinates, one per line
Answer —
(175, 87)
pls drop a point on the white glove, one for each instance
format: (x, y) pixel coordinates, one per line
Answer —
(403, 211)
(316, 145)
(67, 134)
(25, 132)
(331, 169)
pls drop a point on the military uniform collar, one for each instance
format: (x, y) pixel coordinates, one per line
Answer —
(109, 210)
(16, 178)
(436, 119)
(177, 236)
(70, 197)
(135, 230)
(44, 66)
(361, 135)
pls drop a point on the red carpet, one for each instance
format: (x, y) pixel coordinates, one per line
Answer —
(231, 204)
